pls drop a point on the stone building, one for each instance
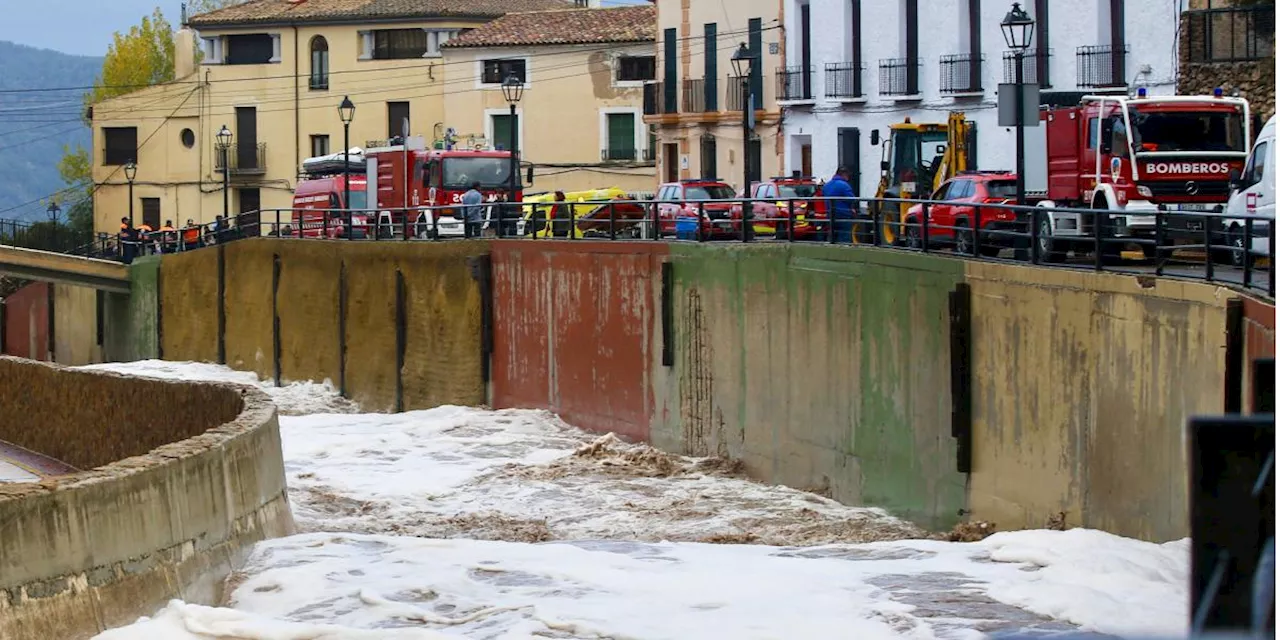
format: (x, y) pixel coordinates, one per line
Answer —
(1230, 44)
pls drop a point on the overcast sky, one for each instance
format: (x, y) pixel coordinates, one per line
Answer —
(85, 26)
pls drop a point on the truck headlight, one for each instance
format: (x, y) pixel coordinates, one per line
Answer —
(1144, 191)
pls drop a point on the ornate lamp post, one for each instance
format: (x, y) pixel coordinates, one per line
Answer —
(347, 112)
(512, 90)
(1018, 27)
(743, 61)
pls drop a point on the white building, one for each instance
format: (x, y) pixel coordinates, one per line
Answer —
(859, 53)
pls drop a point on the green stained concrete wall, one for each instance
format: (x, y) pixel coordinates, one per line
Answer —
(130, 322)
(820, 368)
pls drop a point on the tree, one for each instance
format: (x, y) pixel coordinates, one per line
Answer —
(137, 59)
(197, 7)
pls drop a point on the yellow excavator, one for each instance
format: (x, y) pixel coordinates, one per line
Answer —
(915, 160)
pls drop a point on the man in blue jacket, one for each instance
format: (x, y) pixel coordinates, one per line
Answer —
(842, 211)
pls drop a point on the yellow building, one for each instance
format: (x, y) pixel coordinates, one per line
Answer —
(274, 72)
(696, 104)
(579, 119)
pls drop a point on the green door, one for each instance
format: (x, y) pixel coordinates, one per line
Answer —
(502, 127)
(622, 136)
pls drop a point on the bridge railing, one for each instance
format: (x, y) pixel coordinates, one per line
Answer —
(1212, 246)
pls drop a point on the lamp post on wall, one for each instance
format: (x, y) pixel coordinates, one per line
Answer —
(54, 210)
(743, 60)
(347, 112)
(131, 172)
(1018, 28)
(512, 90)
(224, 145)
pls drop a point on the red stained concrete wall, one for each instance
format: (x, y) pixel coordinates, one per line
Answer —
(1259, 339)
(577, 329)
(26, 322)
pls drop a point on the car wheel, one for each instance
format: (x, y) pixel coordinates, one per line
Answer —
(1049, 251)
(964, 238)
(913, 235)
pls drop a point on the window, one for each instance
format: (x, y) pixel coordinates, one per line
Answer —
(506, 132)
(637, 68)
(1188, 131)
(188, 138)
(709, 192)
(1093, 133)
(1257, 167)
(403, 44)
(1002, 189)
(252, 48)
(497, 71)
(319, 63)
(120, 145)
(621, 131)
(319, 146)
(397, 119)
(151, 212)
(708, 157)
(460, 173)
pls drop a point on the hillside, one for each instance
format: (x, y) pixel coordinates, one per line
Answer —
(34, 126)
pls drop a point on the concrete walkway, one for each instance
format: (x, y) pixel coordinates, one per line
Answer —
(23, 465)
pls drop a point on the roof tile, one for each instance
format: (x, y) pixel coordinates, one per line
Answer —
(290, 11)
(571, 26)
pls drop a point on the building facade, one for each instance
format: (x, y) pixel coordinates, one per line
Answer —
(1230, 44)
(579, 119)
(696, 107)
(858, 65)
(274, 72)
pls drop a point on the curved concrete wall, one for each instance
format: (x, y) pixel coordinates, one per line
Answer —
(182, 478)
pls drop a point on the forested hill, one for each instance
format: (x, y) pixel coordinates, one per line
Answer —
(34, 125)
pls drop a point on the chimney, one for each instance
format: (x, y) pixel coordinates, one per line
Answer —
(587, 4)
(184, 53)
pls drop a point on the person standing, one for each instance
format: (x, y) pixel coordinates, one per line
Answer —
(473, 211)
(128, 241)
(168, 237)
(190, 235)
(841, 205)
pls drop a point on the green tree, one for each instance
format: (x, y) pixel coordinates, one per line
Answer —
(137, 59)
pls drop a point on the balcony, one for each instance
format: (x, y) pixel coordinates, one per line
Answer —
(844, 81)
(733, 93)
(627, 155)
(795, 84)
(1035, 67)
(694, 98)
(246, 159)
(656, 100)
(960, 74)
(900, 77)
(1230, 34)
(1101, 66)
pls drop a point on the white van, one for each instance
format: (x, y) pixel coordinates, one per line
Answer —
(1253, 195)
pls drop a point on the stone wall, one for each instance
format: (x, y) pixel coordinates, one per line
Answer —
(181, 479)
(1254, 80)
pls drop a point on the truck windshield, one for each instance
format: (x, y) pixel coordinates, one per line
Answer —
(797, 190)
(711, 192)
(459, 173)
(358, 200)
(917, 151)
(1188, 131)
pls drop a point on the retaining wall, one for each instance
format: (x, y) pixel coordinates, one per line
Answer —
(165, 509)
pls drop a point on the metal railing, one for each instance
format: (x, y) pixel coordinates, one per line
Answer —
(694, 97)
(626, 154)
(1033, 62)
(960, 73)
(900, 76)
(245, 158)
(844, 80)
(1101, 66)
(1231, 34)
(795, 83)
(733, 94)
(42, 236)
(1232, 250)
(656, 100)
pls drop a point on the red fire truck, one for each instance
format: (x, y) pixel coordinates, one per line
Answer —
(1134, 156)
(413, 178)
(318, 207)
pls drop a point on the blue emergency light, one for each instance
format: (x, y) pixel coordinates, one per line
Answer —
(1217, 92)
(1142, 92)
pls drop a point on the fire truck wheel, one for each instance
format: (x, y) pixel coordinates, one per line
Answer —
(1049, 249)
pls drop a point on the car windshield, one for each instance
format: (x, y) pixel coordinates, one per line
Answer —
(1188, 131)
(460, 173)
(710, 192)
(1002, 189)
(797, 190)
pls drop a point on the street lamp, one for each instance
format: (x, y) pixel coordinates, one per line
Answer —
(347, 111)
(130, 172)
(1018, 27)
(224, 145)
(743, 60)
(54, 210)
(512, 90)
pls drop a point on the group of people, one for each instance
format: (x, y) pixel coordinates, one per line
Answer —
(144, 239)
(475, 215)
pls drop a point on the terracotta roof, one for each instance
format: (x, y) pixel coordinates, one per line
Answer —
(573, 26)
(290, 11)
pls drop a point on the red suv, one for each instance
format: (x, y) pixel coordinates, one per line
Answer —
(689, 198)
(957, 212)
(775, 200)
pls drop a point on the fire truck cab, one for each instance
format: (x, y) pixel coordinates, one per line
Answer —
(1134, 156)
(428, 184)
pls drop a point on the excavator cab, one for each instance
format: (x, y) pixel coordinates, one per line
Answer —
(915, 159)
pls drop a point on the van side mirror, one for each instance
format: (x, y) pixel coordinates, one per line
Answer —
(875, 137)
(1233, 180)
(529, 175)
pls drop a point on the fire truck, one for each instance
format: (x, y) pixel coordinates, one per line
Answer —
(429, 184)
(1132, 157)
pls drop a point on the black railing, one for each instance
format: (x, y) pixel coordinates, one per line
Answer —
(795, 83)
(625, 154)
(652, 98)
(1035, 67)
(733, 94)
(900, 77)
(1231, 250)
(1231, 34)
(960, 73)
(844, 80)
(1101, 66)
(694, 97)
(42, 236)
(246, 158)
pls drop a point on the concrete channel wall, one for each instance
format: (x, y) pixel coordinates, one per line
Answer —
(164, 509)
(825, 368)
(52, 322)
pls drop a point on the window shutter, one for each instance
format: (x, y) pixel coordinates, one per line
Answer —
(709, 73)
(366, 45)
(622, 136)
(756, 44)
(669, 73)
